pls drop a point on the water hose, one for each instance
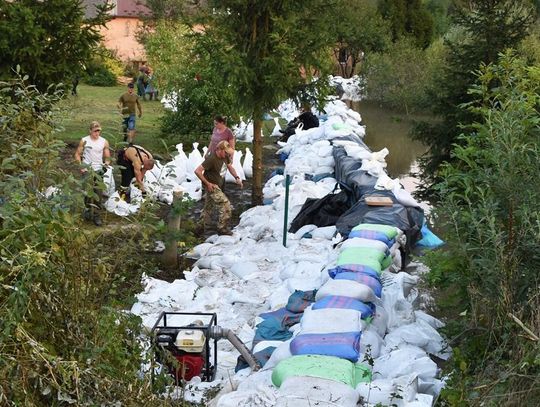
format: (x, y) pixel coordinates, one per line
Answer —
(217, 332)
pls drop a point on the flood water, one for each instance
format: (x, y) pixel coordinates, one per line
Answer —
(386, 128)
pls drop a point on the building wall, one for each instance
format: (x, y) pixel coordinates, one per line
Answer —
(120, 35)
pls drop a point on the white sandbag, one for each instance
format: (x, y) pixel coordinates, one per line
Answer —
(282, 352)
(308, 270)
(256, 397)
(419, 334)
(325, 162)
(276, 131)
(357, 152)
(306, 391)
(323, 169)
(324, 150)
(266, 344)
(404, 361)
(421, 400)
(303, 230)
(326, 232)
(432, 387)
(370, 344)
(237, 167)
(120, 207)
(380, 321)
(279, 297)
(404, 197)
(396, 392)
(331, 320)
(243, 269)
(194, 159)
(302, 284)
(431, 320)
(367, 243)
(108, 180)
(247, 165)
(347, 288)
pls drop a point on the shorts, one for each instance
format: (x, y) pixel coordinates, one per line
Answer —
(129, 122)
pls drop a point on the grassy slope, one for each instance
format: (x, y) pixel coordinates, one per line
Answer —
(99, 103)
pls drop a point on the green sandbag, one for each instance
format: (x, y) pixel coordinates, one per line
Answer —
(340, 126)
(386, 262)
(325, 367)
(362, 253)
(361, 256)
(389, 231)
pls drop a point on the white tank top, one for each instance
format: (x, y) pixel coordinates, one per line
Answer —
(93, 152)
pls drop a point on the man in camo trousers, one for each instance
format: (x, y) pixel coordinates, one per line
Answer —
(211, 173)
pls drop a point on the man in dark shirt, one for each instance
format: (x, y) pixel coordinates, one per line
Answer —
(211, 173)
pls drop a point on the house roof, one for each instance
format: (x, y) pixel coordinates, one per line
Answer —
(132, 8)
(122, 8)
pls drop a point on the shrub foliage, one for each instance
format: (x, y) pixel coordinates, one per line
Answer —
(64, 338)
(492, 211)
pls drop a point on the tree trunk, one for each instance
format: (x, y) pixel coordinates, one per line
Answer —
(257, 186)
(169, 258)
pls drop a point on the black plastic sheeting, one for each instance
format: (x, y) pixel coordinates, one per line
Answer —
(322, 212)
(359, 185)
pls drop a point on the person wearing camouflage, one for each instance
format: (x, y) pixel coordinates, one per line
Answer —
(211, 173)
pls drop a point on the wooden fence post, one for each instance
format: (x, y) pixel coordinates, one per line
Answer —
(169, 258)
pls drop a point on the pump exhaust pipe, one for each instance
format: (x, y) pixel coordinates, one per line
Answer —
(217, 332)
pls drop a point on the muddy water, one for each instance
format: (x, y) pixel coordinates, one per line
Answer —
(385, 128)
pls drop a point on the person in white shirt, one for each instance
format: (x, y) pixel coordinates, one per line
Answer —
(93, 155)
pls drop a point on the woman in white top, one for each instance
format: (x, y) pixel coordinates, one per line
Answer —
(92, 153)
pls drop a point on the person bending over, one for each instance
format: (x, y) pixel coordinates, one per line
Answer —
(135, 161)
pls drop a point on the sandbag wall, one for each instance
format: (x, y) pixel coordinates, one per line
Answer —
(293, 293)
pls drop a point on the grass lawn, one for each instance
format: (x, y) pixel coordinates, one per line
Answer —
(99, 103)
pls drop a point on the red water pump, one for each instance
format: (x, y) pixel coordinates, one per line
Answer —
(183, 342)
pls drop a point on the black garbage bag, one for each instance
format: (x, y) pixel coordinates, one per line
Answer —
(308, 120)
(322, 212)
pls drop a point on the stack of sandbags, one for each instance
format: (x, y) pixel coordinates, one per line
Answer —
(308, 380)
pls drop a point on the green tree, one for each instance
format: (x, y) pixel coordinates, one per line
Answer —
(439, 11)
(264, 55)
(399, 77)
(479, 35)
(491, 210)
(197, 92)
(408, 18)
(50, 40)
(361, 29)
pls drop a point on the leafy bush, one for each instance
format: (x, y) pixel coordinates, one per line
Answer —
(64, 338)
(101, 76)
(103, 69)
(399, 77)
(491, 196)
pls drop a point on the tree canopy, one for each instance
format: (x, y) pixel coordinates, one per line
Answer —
(361, 29)
(482, 29)
(50, 40)
(263, 54)
(408, 18)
